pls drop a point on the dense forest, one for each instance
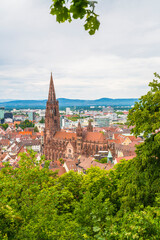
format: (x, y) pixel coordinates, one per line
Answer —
(123, 203)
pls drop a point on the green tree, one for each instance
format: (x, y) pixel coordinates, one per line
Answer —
(145, 115)
(4, 125)
(26, 124)
(67, 10)
(104, 160)
(61, 160)
(36, 129)
(19, 188)
(139, 178)
(42, 120)
(37, 204)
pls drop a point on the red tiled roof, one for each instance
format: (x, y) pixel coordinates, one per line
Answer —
(61, 170)
(133, 138)
(71, 165)
(63, 135)
(1, 165)
(94, 136)
(25, 133)
(125, 158)
(114, 141)
(88, 162)
(121, 138)
(132, 144)
(4, 142)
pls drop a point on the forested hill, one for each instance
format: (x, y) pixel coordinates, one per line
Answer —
(64, 102)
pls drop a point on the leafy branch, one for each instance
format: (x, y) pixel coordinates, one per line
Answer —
(67, 10)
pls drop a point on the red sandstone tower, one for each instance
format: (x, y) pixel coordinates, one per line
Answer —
(90, 127)
(52, 118)
(79, 133)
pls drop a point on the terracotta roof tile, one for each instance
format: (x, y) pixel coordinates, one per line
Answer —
(71, 165)
(86, 163)
(4, 142)
(94, 136)
(133, 138)
(63, 135)
(125, 158)
(61, 170)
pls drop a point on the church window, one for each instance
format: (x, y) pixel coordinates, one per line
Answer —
(55, 121)
(70, 150)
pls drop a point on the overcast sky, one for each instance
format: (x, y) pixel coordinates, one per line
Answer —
(117, 62)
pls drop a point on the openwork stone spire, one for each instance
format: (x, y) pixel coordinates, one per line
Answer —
(52, 94)
(52, 120)
(90, 127)
(79, 130)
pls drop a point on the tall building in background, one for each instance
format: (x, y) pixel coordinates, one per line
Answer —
(31, 116)
(2, 110)
(68, 111)
(8, 117)
(69, 145)
(62, 122)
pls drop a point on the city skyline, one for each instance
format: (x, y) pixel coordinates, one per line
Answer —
(117, 62)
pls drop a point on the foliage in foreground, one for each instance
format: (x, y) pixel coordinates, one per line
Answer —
(67, 10)
(120, 204)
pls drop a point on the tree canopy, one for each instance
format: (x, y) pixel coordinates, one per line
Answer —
(36, 129)
(42, 120)
(119, 204)
(26, 124)
(4, 126)
(145, 115)
(67, 10)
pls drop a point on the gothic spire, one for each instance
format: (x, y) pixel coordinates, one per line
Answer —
(51, 95)
(79, 125)
(89, 127)
(79, 129)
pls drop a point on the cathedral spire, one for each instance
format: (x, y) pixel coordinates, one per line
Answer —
(89, 127)
(79, 129)
(52, 120)
(51, 95)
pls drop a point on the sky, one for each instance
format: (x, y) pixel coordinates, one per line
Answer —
(117, 62)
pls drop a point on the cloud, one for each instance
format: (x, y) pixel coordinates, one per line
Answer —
(117, 62)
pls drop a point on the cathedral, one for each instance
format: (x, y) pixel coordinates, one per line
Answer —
(69, 145)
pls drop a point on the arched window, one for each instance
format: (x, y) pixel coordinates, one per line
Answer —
(96, 148)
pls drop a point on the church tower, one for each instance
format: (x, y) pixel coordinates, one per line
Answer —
(79, 133)
(89, 127)
(52, 118)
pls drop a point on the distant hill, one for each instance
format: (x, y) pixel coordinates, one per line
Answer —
(64, 102)
(6, 100)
